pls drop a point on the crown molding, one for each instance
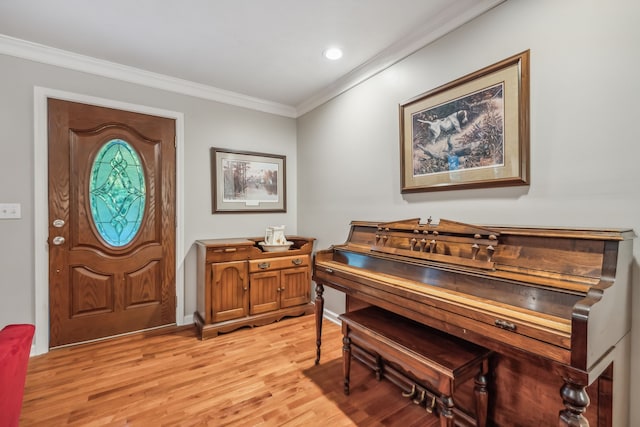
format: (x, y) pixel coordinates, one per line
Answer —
(438, 27)
(73, 61)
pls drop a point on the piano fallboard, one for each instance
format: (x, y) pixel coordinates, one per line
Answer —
(462, 304)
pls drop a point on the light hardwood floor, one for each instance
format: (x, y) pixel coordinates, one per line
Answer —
(251, 377)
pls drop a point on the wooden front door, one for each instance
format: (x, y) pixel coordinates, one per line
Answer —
(111, 222)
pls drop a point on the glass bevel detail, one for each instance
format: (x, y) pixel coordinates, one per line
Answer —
(117, 192)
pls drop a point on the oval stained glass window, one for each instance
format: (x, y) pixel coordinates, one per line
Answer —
(117, 192)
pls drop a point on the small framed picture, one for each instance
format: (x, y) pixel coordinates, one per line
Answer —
(244, 181)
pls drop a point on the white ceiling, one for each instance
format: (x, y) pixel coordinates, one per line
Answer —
(266, 52)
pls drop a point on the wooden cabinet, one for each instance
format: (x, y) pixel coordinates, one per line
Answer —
(241, 285)
(229, 284)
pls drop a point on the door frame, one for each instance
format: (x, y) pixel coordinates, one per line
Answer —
(41, 201)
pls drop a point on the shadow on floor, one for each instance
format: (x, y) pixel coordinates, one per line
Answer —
(370, 402)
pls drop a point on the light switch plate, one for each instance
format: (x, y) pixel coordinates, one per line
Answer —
(10, 211)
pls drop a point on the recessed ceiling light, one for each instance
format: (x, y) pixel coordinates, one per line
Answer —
(333, 53)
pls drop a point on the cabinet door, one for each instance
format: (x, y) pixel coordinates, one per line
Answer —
(229, 290)
(295, 286)
(265, 292)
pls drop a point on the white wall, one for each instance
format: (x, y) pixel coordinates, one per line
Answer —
(584, 145)
(207, 124)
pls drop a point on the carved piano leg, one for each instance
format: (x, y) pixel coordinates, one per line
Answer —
(446, 411)
(319, 313)
(482, 399)
(346, 358)
(576, 400)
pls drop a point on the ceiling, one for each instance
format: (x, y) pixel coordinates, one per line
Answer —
(245, 52)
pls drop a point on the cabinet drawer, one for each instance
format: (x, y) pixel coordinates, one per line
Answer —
(278, 263)
(227, 253)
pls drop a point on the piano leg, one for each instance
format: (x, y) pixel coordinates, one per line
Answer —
(576, 400)
(319, 314)
(446, 411)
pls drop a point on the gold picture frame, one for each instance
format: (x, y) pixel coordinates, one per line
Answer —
(470, 133)
(246, 182)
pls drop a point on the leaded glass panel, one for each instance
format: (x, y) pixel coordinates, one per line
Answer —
(117, 192)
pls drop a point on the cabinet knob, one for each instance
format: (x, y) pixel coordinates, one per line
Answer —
(296, 261)
(264, 265)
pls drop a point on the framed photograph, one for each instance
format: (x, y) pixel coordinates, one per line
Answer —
(469, 133)
(243, 181)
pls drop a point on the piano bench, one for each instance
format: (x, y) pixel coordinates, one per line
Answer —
(430, 363)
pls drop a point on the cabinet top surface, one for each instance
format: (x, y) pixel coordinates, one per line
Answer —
(249, 248)
(226, 242)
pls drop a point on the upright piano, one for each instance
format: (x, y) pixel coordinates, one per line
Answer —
(553, 304)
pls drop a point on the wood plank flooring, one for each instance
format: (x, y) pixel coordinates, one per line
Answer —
(251, 377)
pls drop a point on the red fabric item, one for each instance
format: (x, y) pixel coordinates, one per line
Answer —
(15, 346)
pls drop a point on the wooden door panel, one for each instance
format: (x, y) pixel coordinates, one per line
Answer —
(143, 286)
(85, 145)
(295, 287)
(265, 292)
(142, 256)
(91, 293)
(229, 290)
(99, 287)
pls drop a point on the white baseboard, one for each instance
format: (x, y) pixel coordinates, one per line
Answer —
(187, 320)
(333, 317)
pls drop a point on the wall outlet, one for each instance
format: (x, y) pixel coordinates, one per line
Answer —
(10, 211)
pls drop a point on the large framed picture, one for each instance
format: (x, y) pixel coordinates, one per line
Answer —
(244, 181)
(472, 132)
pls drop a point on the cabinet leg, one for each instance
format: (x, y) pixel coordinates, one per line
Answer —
(319, 314)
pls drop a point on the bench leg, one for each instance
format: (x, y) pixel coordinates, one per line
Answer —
(346, 361)
(482, 399)
(379, 367)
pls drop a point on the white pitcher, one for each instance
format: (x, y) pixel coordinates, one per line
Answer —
(274, 235)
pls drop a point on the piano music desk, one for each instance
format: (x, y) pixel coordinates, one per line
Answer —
(434, 362)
